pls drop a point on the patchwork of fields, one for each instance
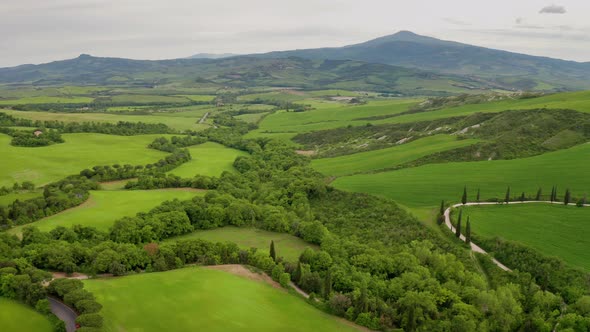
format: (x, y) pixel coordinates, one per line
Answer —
(196, 298)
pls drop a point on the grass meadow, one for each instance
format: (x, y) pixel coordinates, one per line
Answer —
(200, 299)
(287, 246)
(554, 230)
(388, 157)
(209, 159)
(103, 208)
(42, 165)
(16, 317)
(426, 186)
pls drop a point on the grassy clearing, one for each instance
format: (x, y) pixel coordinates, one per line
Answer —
(426, 186)
(287, 246)
(204, 98)
(209, 159)
(251, 118)
(389, 157)
(146, 99)
(179, 123)
(46, 100)
(21, 196)
(104, 207)
(16, 317)
(42, 165)
(554, 230)
(198, 299)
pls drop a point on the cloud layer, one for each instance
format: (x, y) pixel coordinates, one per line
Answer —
(553, 9)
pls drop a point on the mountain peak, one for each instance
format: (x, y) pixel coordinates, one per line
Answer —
(404, 36)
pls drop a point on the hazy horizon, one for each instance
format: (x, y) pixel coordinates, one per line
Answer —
(180, 28)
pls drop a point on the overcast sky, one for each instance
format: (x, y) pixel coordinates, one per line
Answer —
(36, 31)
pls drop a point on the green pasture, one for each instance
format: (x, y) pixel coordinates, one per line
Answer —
(554, 230)
(46, 100)
(425, 186)
(287, 246)
(104, 207)
(21, 196)
(251, 118)
(147, 99)
(16, 317)
(202, 98)
(42, 165)
(200, 299)
(179, 123)
(209, 159)
(388, 157)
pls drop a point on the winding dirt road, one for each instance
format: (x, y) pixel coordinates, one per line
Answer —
(474, 246)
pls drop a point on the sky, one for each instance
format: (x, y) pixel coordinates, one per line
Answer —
(38, 31)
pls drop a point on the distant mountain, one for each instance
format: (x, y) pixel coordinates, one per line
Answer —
(211, 56)
(245, 72)
(408, 49)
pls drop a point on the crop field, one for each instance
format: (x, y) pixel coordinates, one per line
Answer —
(426, 186)
(147, 99)
(554, 230)
(179, 123)
(199, 299)
(334, 116)
(16, 317)
(42, 165)
(209, 159)
(105, 207)
(203, 98)
(251, 118)
(287, 246)
(388, 157)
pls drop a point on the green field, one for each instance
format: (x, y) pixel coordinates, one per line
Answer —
(333, 116)
(147, 99)
(389, 157)
(199, 299)
(8, 199)
(251, 118)
(42, 165)
(426, 186)
(175, 122)
(554, 230)
(104, 207)
(16, 317)
(209, 159)
(46, 100)
(204, 98)
(287, 246)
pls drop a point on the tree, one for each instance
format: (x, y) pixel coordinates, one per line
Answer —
(458, 229)
(464, 198)
(441, 215)
(567, 197)
(460, 216)
(477, 197)
(327, 285)
(507, 198)
(468, 231)
(273, 254)
(522, 197)
(539, 193)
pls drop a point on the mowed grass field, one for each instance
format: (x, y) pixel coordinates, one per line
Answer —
(8, 199)
(554, 230)
(42, 165)
(103, 208)
(287, 246)
(426, 186)
(389, 157)
(209, 159)
(16, 317)
(175, 122)
(199, 299)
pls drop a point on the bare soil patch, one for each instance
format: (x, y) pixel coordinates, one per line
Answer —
(306, 152)
(242, 271)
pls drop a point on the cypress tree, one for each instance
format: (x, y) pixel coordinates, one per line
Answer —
(441, 215)
(464, 198)
(477, 197)
(460, 216)
(522, 197)
(297, 273)
(458, 229)
(555, 194)
(273, 254)
(507, 198)
(328, 285)
(539, 193)
(567, 197)
(468, 231)
(552, 198)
